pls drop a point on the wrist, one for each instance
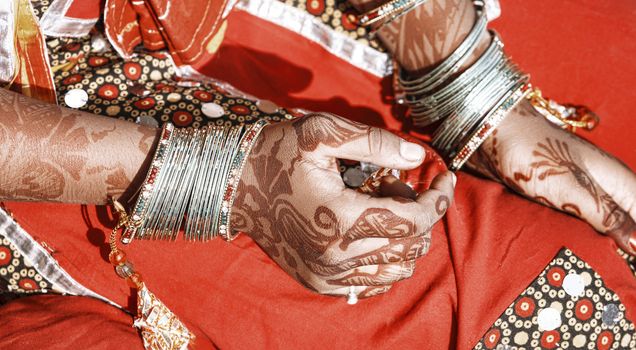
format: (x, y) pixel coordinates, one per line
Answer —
(429, 33)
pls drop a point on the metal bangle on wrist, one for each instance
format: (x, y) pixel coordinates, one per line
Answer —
(469, 105)
(191, 183)
(386, 13)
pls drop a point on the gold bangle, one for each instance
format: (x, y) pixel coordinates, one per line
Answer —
(579, 117)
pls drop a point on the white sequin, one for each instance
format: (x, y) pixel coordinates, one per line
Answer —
(521, 338)
(76, 98)
(173, 97)
(212, 110)
(266, 106)
(549, 319)
(574, 285)
(579, 341)
(626, 339)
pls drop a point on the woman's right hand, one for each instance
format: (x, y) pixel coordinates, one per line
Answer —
(292, 201)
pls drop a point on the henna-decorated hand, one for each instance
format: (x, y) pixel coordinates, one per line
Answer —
(555, 167)
(292, 201)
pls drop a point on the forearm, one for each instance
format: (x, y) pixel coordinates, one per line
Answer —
(50, 153)
(427, 34)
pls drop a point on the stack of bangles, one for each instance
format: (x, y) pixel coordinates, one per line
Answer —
(192, 183)
(470, 105)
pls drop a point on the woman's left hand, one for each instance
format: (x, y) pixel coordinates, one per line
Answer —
(555, 167)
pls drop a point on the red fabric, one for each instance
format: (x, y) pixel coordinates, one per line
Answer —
(488, 249)
(85, 9)
(187, 29)
(62, 322)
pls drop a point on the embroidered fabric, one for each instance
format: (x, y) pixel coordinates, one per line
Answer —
(302, 22)
(327, 26)
(568, 306)
(28, 268)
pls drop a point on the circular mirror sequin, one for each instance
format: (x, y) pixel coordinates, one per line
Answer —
(146, 120)
(574, 285)
(353, 177)
(76, 98)
(266, 106)
(549, 319)
(611, 315)
(212, 110)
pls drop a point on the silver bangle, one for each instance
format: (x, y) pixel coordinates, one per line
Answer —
(191, 183)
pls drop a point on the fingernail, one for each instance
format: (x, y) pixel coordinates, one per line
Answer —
(411, 151)
(454, 178)
(632, 241)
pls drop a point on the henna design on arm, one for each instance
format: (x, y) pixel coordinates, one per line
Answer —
(57, 154)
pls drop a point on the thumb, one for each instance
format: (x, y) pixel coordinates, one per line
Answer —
(381, 148)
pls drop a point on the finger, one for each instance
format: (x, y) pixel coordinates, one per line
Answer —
(440, 194)
(376, 251)
(380, 147)
(373, 251)
(393, 218)
(374, 275)
(391, 186)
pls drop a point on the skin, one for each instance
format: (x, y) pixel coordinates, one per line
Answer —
(538, 160)
(57, 154)
(559, 169)
(294, 204)
(291, 198)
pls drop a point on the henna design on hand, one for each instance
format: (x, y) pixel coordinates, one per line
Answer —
(316, 129)
(292, 207)
(532, 167)
(442, 205)
(555, 158)
(377, 222)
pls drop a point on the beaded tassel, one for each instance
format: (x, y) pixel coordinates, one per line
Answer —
(160, 328)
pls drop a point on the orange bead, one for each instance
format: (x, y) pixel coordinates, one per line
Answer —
(117, 257)
(134, 281)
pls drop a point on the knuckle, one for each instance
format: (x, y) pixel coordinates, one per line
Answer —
(376, 138)
(331, 257)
